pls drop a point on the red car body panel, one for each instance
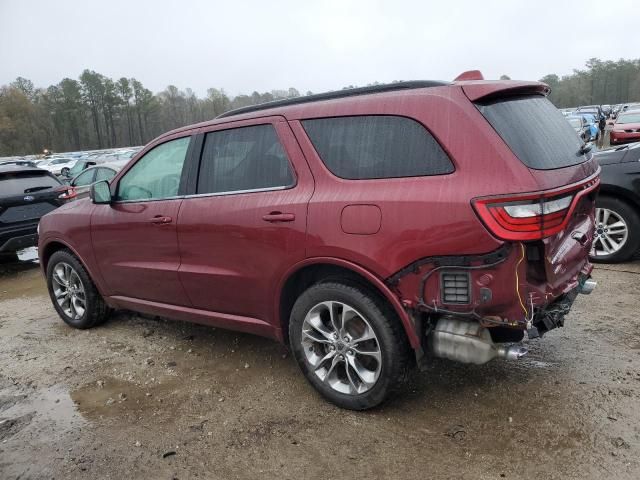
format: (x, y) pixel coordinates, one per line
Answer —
(222, 261)
(624, 133)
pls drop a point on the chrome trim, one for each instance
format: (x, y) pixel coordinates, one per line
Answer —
(239, 192)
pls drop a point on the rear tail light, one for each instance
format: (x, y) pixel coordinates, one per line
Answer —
(67, 193)
(531, 216)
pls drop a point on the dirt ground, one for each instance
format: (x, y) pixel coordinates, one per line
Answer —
(148, 398)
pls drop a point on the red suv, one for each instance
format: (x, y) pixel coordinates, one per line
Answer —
(369, 228)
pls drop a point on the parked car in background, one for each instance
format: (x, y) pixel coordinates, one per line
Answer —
(617, 235)
(295, 220)
(584, 128)
(626, 128)
(20, 163)
(56, 165)
(88, 177)
(67, 173)
(590, 127)
(26, 193)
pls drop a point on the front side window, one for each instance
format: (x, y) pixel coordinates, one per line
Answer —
(240, 159)
(85, 178)
(384, 146)
(105, 174)
(157, 174)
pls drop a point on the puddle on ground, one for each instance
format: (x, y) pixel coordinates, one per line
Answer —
(44, 408)
(111, 397)
(21, 280)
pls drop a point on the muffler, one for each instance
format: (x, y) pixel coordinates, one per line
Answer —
(468, 342)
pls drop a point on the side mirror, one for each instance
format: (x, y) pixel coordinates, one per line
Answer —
(100, 193)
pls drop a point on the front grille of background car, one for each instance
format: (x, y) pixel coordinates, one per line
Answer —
(455, 287)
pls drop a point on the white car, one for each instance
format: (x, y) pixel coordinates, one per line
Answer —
(56, 165)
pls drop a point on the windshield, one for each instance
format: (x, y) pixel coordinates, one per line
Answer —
(629, 118)
(19, 183)
(535, 130)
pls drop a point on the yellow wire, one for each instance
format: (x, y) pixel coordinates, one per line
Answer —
(518, 283)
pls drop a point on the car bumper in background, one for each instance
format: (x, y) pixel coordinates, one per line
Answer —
(624, 137)
(17, 239)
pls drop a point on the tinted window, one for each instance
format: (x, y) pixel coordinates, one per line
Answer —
(366, 147)
(535, 131)
(85, 178)
(19, 183)
(247, 158)
(104, 174)
(157, 174)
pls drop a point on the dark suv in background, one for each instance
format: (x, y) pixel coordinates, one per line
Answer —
(26, 193)
(358, 226)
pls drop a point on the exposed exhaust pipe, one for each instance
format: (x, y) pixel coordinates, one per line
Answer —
(588, 286)
(468, 342)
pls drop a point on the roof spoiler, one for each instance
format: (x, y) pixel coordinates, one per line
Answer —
(484, 91)
(478, 88)
(469, 75)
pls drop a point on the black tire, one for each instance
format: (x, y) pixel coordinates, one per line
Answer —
(631, 218)
(96, 311)
(395, 351)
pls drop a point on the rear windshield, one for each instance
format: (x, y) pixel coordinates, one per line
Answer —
(21, 183)
(535, 131)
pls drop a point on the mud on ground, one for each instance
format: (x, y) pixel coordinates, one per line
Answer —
(156, 399)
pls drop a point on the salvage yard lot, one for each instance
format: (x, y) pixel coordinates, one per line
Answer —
(150, 398)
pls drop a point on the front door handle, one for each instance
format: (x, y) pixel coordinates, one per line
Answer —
(161, 220)
(275, 217)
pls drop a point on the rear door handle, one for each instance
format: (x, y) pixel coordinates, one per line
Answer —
(275, 217)
(161, 220)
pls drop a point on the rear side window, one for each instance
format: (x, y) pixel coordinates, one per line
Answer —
(240, 159)
(367, 147)
(535, 131)
(21, 183)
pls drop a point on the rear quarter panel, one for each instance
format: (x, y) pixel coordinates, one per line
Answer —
(420, 216)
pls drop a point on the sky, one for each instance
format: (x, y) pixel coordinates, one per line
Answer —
(243, 46)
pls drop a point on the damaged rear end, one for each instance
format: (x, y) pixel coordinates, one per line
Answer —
(473, 308)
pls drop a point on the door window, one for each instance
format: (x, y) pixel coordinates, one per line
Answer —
(240, 159)
(157, 174)
(85, 178)
(105, 174)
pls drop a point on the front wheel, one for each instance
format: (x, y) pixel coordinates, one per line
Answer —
(617, 234)
(73, 294)
(349, 345)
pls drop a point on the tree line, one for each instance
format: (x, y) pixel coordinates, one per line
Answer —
(95, 111)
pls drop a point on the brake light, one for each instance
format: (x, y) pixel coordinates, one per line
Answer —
(531, 216)
(67, 193)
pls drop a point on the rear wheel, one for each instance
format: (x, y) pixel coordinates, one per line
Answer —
(617, 235)
(72, 292)
(349, 345)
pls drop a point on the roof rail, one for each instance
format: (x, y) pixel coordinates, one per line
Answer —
(347, 92)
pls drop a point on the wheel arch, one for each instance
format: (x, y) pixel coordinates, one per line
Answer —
(54, 245)
(314, 270)
(623, 194)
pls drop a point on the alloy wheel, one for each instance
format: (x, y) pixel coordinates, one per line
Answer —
(341, 347)
(69, 291)
(611, 233)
